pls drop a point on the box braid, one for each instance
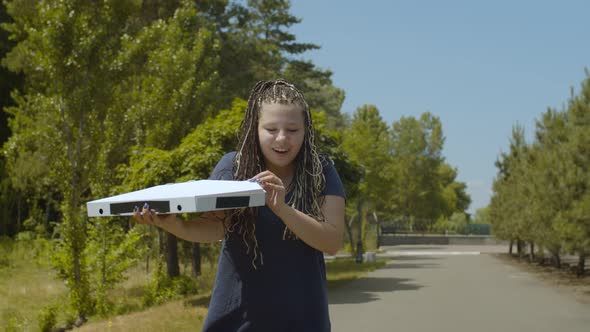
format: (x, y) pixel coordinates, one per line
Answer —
(308, 180)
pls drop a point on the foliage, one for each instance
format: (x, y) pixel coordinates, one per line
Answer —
(47, 318)
(541, 190)
(366, 143)
(458, 223)
(111, 253)
(405, 177)
(482, 216)
(9, 81)
(319, 92)
(162, 288)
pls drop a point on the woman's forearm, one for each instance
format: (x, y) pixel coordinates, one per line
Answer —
(204, 229)
(322, 236)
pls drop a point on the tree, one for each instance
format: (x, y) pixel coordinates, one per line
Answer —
(63, 60)
(320, 93)
(96, 84)
(482, 216)
(10, 200)
(366, 142)
(329, 143)
(452, 195)
(416, 171)
(506, 207)
(577, 229)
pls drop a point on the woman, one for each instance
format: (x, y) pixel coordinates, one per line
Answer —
(271, 274)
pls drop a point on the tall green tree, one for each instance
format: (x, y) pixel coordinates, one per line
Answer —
(452, 195)
(506, 203)
(10, 208)
(416, 171)
(366, 142)
(320, 93)
(63, 49)
(97, 84)
(255, 44)
(577, 230)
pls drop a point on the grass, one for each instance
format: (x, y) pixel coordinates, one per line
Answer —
(188, 314)
(27, 286)
(180, 315)
(343, 270)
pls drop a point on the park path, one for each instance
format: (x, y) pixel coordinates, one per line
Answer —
(453, 288)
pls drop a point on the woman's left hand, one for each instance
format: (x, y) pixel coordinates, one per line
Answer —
(275, 190)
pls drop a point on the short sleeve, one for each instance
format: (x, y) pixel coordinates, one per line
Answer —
(333, 183)
(224, 168)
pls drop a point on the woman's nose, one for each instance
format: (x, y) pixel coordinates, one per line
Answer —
(282, 135)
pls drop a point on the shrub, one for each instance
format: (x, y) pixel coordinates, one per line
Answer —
(47, 318)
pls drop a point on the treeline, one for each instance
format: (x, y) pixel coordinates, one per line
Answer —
(118, 95)
(405, 179)
(541, 195)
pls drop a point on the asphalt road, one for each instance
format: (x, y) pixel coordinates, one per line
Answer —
(453, 288)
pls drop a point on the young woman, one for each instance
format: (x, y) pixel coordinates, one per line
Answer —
(271, 274)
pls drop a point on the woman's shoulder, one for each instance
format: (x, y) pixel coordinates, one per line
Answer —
(326, 161)
(228, 157)
(224, 168)
(333, 184)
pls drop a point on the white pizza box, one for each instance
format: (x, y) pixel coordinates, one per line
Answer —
(185, 197)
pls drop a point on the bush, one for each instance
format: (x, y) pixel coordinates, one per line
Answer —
(47, 318)
(6, 245)
(162, 288)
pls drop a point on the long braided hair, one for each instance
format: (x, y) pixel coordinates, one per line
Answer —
(308, 179)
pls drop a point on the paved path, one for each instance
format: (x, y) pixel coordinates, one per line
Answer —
(453, 288)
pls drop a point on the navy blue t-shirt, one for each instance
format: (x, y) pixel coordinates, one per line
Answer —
(285, 293)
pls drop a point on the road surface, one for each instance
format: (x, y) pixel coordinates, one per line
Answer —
(453, 288)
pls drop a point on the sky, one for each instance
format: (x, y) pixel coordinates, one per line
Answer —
(480, 66)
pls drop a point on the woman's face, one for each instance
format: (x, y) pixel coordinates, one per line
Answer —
(281, 130)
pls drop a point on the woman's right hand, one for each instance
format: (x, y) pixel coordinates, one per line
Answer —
(151, 217)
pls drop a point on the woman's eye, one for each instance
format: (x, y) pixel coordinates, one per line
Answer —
(272, 130)
(293, 130)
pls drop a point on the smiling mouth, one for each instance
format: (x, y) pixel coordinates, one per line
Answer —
(280, 151)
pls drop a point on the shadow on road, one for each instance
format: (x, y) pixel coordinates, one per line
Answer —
(365, 290)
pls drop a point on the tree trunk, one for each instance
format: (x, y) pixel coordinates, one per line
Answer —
(47, 216)
(172, 255)
(18, 215)
(349, 233)
(196, 259)
(510, 248)
(532, 252)
(556, 259)
(378, 235)
(581, 265)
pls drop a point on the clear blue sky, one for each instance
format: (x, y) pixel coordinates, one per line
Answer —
(480, 66)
